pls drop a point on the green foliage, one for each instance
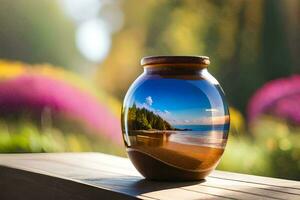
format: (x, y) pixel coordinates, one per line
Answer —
(39, 26)
(249, 43)
(26, 137)
(243, 156)
(273, 150)
(143, 119)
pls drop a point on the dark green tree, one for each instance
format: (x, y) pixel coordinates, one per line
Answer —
(143, 119)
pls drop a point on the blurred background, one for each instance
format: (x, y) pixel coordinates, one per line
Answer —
(65, 67)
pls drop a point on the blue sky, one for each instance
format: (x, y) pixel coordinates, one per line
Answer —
(181, 101)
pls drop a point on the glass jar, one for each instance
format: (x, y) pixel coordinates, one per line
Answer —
(175, 119)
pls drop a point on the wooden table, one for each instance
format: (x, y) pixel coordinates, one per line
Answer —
(99, 176)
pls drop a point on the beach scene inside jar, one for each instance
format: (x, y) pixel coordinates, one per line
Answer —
(181, 122)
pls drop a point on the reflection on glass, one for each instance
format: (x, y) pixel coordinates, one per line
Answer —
(182, 124)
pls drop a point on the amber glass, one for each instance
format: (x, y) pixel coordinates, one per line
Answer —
(175, 120)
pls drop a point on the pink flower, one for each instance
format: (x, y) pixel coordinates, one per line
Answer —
(35, 92)
(279, 97)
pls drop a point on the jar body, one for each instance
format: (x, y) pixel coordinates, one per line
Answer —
(175, 123)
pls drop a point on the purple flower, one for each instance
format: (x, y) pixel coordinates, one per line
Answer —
(36, 92)
(279, 97)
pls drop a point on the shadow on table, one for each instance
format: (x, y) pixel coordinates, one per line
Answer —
(134, 185)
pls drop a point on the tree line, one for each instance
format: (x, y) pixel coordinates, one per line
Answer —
(143, 119)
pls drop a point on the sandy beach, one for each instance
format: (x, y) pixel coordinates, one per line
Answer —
(180, 155)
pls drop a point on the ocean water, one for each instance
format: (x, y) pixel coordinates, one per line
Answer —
(204, 128)
(203, 131)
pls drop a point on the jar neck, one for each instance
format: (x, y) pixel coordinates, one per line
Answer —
(172, 70)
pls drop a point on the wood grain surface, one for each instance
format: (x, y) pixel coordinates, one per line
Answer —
(100, 176)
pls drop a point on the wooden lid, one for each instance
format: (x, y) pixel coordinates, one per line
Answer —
(195, 61)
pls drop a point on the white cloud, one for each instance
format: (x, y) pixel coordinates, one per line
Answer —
(213, 110)
(149, 100)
